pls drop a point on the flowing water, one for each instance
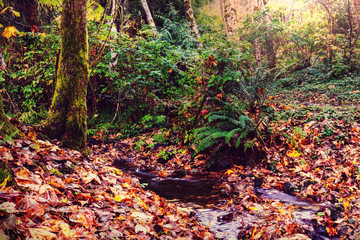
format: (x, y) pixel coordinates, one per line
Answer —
(205, 190)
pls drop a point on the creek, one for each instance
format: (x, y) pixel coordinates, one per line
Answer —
(204, 190)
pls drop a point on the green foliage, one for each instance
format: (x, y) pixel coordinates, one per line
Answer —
(224, 128)
(149, 76)
(51, 2)
(33, 117)
(165, 154)
(149, 121)
(31, 66)
(160, 138)
(177, 34)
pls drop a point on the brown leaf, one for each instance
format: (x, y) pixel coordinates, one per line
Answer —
(49, 193)
(3, 236)
(9, 207)
(43, 233)
(84, 217)
(31, 206)
(89, 176)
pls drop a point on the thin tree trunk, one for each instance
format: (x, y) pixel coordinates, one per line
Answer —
(68, 111)
(270, 51)
(149, 17)
(257, 52)
(192, 21)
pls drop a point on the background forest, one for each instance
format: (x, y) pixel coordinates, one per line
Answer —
(265, 92)
(171, 77)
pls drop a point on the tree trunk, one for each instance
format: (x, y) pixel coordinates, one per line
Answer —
(31, 12)
(68, 111)
(257, 52)
(270, 50)
(6, 128)
(149, 17)
(190, 17)
(230, 16)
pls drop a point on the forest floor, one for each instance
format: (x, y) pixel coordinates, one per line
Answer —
(306, 186)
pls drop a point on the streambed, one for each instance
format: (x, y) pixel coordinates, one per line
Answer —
(205, 195)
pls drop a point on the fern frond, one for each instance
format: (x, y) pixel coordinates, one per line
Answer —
(209, 141)
(199, 130)
(241, 137)
(207, 132)
(232, 133)
(222, 118)
(243, 120)
(249, 144)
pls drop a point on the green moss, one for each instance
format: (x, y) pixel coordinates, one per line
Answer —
(5, 173)
(56, 172)
(67, 117)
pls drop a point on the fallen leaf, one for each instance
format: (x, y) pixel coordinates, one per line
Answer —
(9, 32)
(85, 217)
(142, 217)
(141, 228)
(294, 154)
(8, 207)
(31, 206)
(43, 233)
(90, 177)
(3, 236)
(162, 174)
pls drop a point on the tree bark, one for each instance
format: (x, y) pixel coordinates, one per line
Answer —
(31, 12)
(191, 19)
(257, 52)
(230, 16)
(68, 111)
(270, 51)
(148, 14)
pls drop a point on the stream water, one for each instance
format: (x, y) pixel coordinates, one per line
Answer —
(205, 190)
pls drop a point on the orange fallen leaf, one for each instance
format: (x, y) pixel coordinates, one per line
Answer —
(9, 32)
(294, 154)
(331, 231)
(31, 136)
(163, 174)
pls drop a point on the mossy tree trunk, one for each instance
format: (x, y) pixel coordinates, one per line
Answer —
(6, 128)
(230, 16)
(189, 12)
(148, 14)
(68, 111)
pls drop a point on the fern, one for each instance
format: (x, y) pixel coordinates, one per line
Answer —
(231, 134)
(223, 127)
(241, 137)
(207, 131)
(209, 141)
(249, 144)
